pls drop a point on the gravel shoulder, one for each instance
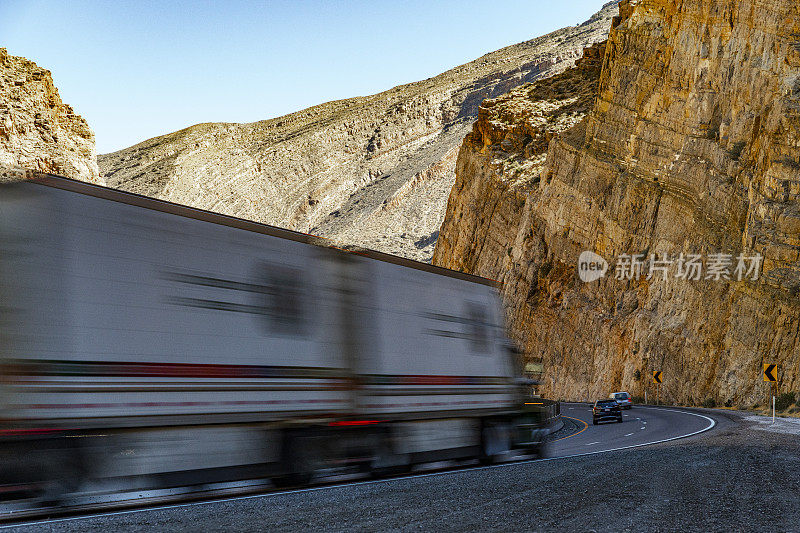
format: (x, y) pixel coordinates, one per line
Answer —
(788, 425)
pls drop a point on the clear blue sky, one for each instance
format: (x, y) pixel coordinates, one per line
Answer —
(140, 69)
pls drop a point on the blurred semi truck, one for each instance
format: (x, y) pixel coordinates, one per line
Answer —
(147, 341)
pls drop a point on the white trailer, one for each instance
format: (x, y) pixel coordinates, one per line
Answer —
(175, 340)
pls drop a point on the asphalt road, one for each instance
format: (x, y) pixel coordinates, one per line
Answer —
(730, 478)
(640, 426)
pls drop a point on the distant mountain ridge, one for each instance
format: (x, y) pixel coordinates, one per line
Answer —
(372, 171)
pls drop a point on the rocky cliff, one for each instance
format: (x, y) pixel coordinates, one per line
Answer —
(37, 130)
(373, 171)
(691, 148)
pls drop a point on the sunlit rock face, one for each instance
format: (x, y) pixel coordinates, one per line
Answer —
(692, 146)
(37, 130)
(372, 171)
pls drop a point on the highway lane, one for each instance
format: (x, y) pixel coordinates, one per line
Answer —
(343, 502)
(640, 426)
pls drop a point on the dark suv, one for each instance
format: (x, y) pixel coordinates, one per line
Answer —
(606, 410)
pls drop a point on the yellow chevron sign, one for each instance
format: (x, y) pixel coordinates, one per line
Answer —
(656, 376)
(770, 372)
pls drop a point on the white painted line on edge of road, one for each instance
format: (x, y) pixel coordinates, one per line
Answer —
(370, 482)
(593, 443)
(629, 434)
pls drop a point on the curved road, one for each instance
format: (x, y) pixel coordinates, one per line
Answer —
(640, 426)
(426, 500)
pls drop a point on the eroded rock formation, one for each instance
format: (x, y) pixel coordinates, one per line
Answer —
(374, 171)
(37, 130)
(692, 146)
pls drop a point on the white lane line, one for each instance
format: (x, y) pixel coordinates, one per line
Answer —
(593, 443)
(372, 481)
(629, 434)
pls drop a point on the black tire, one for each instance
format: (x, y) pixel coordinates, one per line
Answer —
(594, 422)
(299, 461)
(386, 449)
(619, 420)
(389, 471)
(539, 451)
(66, 469)
(489, 430)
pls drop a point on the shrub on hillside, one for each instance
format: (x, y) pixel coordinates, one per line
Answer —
(709, 403)
(783, 401)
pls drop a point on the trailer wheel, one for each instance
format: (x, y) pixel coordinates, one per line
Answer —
(300, 458)
(495, 441)
(66, 470)
(539, 451)
(538, 444)
(386, 461)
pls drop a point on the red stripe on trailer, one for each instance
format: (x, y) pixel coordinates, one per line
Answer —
(355, 422)
(28, 431)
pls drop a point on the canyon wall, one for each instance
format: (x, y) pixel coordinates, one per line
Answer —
(372, 171)
(691, 146)
(37, 130)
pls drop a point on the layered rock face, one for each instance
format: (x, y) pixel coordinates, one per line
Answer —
(501, 161)
(373, 171)
(37, 130)
(693, 147)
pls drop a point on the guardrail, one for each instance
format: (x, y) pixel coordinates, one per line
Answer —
(551, 415)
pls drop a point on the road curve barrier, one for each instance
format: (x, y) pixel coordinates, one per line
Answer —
(551, 415)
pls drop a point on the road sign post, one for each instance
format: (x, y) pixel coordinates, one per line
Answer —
(770, 374)
(657, 378)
